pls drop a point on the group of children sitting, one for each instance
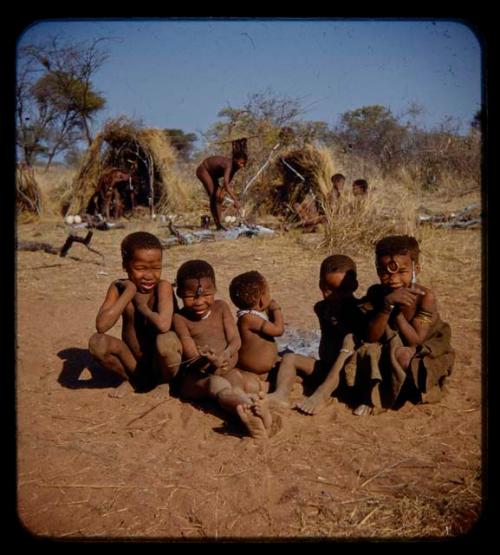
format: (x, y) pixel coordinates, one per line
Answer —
(384, 348)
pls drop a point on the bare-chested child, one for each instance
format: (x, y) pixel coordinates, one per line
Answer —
(210, 344)
(260, 320)
(341, 321)
(148, 351)
(404, 329)
(210, 171)
(338, 182)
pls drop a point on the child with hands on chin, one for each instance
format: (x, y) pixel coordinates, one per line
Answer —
(404, 331)
(148, 353)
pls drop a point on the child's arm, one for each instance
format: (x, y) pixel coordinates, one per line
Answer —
(233, 339)
(416, 331)
(276, 325)
(189, 348)
(227, 184)
(161, 320)
(120, 294)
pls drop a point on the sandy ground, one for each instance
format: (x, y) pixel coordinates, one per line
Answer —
(154, 467)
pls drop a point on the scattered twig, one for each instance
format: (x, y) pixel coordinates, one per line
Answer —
(367, 517)
(145, 413)
(380, 472)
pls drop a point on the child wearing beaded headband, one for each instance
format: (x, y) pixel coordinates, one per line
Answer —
(405, 333)
(210, 344)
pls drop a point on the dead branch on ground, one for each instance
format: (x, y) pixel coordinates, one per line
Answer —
(62, 251)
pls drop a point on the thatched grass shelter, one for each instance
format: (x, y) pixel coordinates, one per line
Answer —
(28, 195)
(145, 153)
(292, 174)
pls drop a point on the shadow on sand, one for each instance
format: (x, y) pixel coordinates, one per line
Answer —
(80, 370)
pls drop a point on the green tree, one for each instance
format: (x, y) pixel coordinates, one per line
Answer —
(372, 132)
(55, 98)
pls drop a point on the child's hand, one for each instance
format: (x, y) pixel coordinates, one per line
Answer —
(141, 299)
(123, 284)
(206, 351)
(273, 305)
(403, 296)
(219, 360)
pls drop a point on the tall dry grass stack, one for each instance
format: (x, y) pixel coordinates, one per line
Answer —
(354, 224)
(28, 195)
(279, 186)
(121, 144)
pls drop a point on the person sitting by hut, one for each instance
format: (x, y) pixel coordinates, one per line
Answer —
(360, 187)
(212, 169)
(308, 213)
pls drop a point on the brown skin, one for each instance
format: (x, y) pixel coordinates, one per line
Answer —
(259, 352)
(205, 326)
(334, 290)
(145, 303)
(209, 172)
(307, 212)
(337, 187)
(407, 299)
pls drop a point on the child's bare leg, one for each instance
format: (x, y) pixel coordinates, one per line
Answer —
(314, 403)
(113, 354)
(404, 356)
(286, 377)
(169, 355)
(240, 403)
(251, 383)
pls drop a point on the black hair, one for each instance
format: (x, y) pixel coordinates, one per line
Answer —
(336, 178)
(397, 244)
(361, 184)
(194, 269)
(246, 289)
(138, 240)
(336, 263)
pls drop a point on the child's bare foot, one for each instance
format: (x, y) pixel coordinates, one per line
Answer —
(277, 400)
(311, 405)
(161, 391)
(253, 423)
(362, 410)
(261, 409)
(123, 389)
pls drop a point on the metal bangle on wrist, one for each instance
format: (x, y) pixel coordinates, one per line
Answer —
(388, 307)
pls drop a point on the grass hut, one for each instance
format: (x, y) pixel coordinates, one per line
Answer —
(293, 174)
(28, 195)
(144, 154)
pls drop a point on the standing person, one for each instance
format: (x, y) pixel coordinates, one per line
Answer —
(210, 344)
(341, 320)
(148, 352)
(212, 169)
(408, 353)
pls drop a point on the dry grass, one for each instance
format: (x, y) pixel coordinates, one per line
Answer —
(28, 198)
(359, 222)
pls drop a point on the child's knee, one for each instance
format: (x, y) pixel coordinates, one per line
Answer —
(98, 345)
(168, 344)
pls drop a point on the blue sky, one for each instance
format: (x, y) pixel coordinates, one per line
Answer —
(180, 73)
